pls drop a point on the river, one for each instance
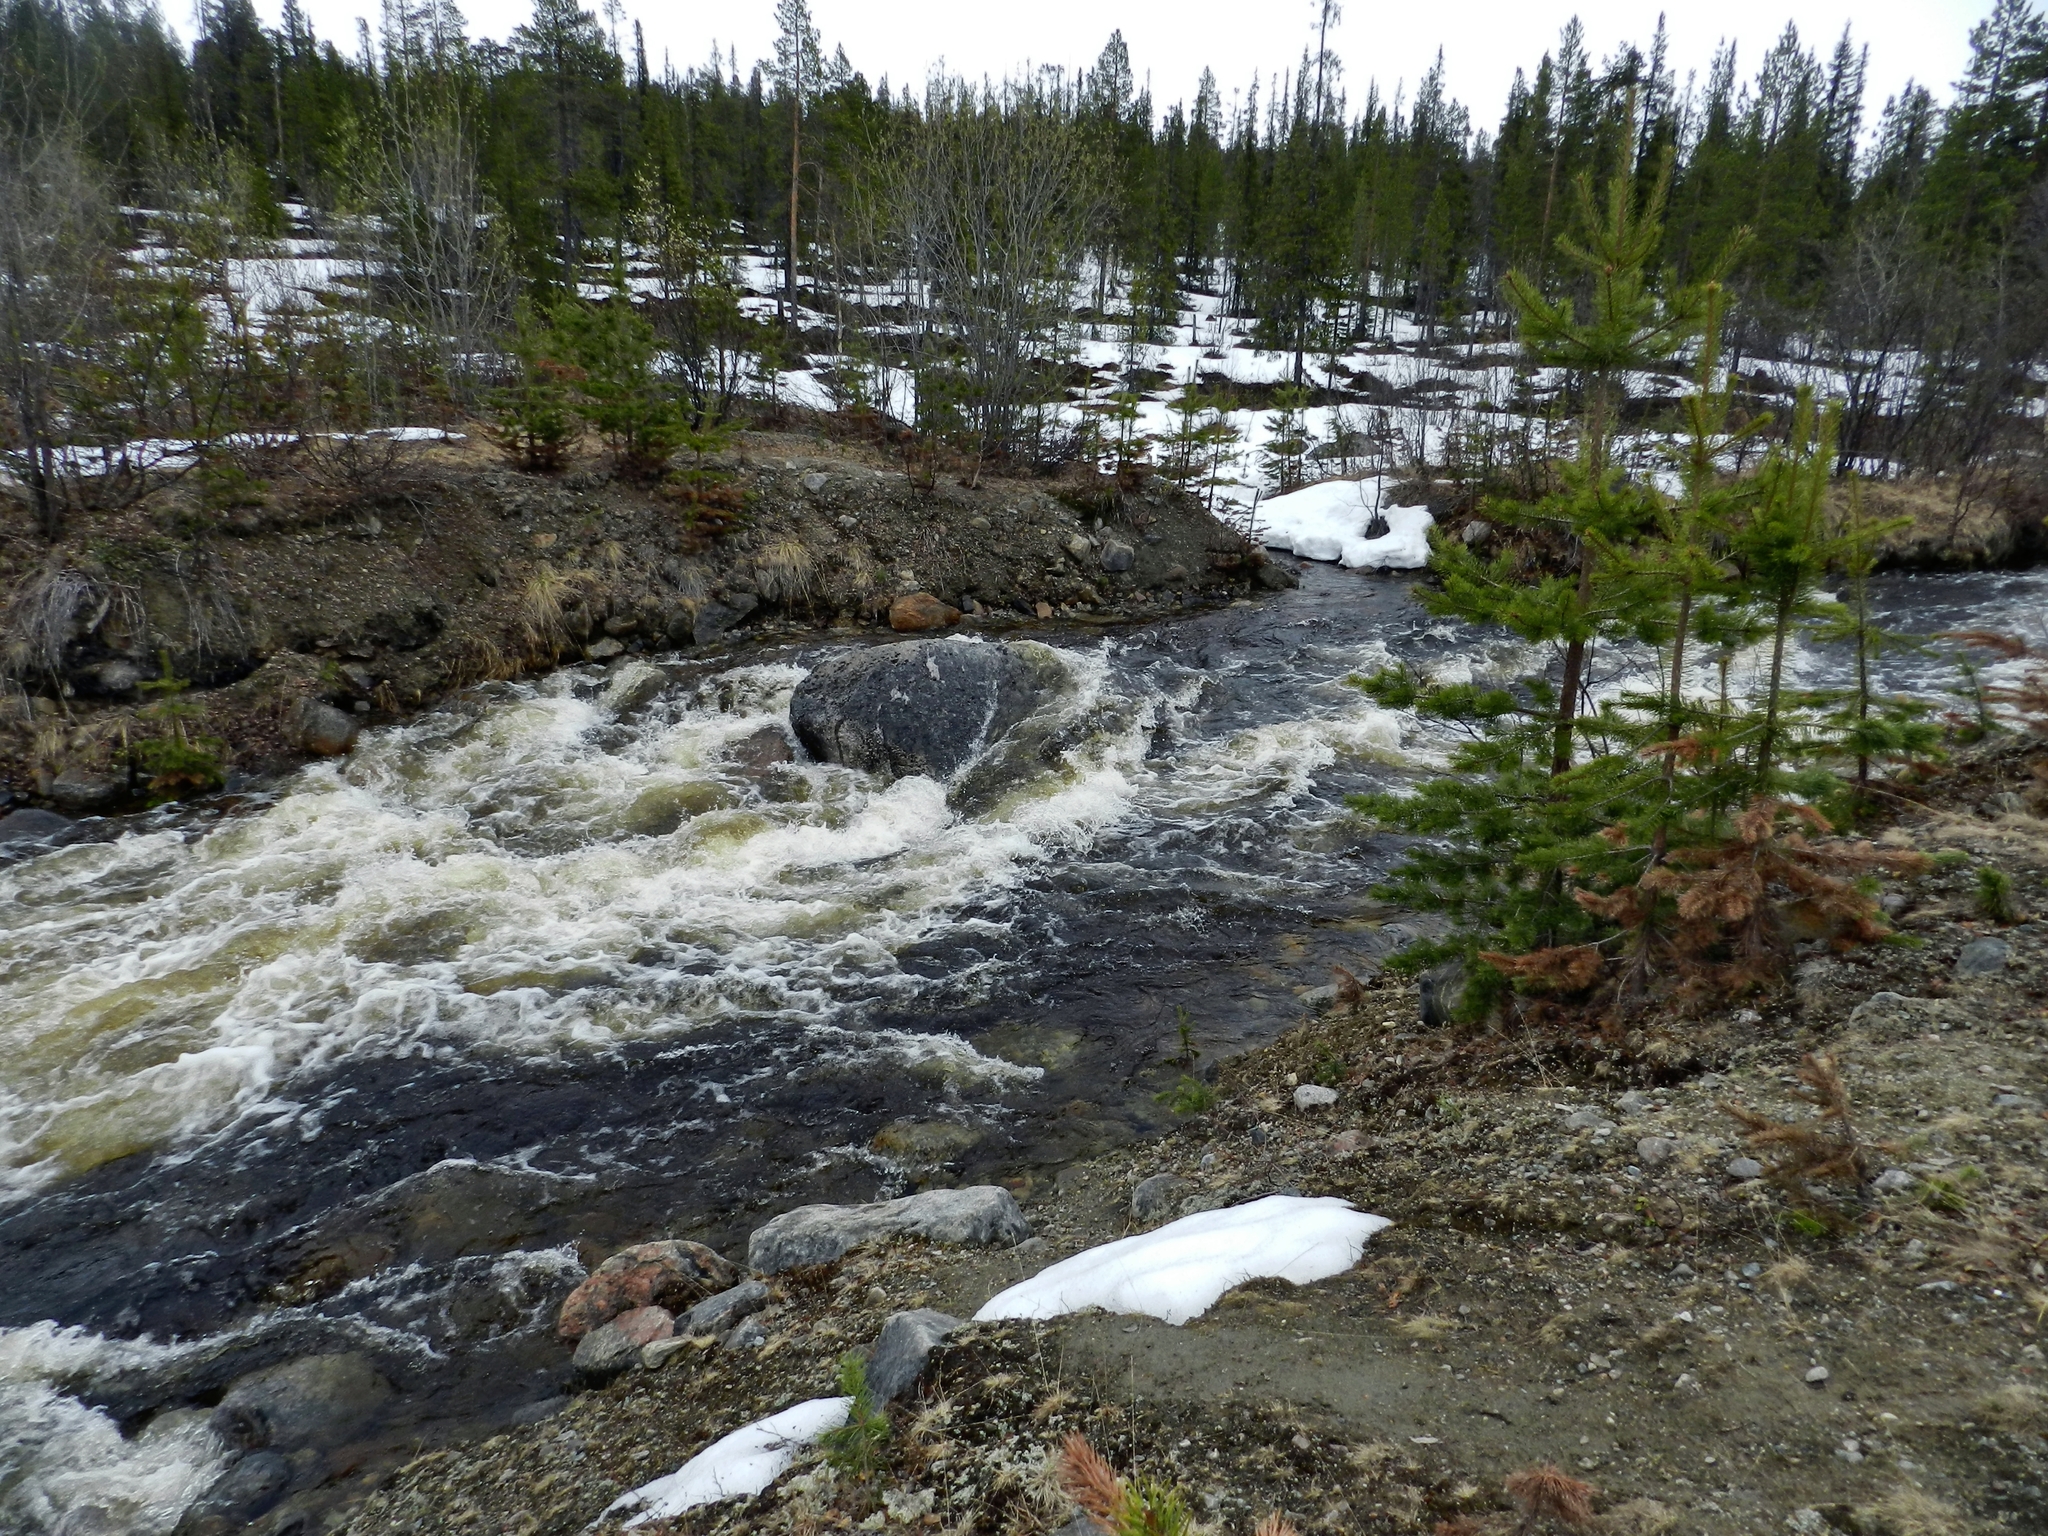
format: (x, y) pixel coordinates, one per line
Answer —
(379, 1057)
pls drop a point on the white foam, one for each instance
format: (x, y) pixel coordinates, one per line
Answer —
(735, 1467)
(1178, 1272)
(60, 1458)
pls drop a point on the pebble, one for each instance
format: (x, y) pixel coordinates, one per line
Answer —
(1982, 957)
(1684, 1271)
(1653, 1151)
(1634, 1102)
(1751, 1271)
(1587, 1120)
(1817, 1376)
(1345, 1143)
(1743, 1169)
(1314, 1096)
(1894, 1179)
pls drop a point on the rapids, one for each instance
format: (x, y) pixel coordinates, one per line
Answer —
(379, 1057)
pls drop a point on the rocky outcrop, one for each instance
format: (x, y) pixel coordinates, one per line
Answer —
(984, 1215)
(923, 707)
(668, 1273)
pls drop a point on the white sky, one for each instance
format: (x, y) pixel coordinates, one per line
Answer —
(1484, 41)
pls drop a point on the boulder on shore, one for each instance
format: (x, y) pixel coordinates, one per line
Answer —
(921, 707)
(818, 1234)
(916, 611)
(902, 1350)
(669, 1273)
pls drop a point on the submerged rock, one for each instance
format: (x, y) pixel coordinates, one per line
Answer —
(238, 1495)
(319, 1400)
(902, 1350)
(818, 1234)
(922, 707)
(668, 1273)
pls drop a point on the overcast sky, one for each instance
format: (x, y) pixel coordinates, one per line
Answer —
(1483, 41)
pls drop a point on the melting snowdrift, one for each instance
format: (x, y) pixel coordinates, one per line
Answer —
(1328, 521)
(737, 1466)
(1177, 1272)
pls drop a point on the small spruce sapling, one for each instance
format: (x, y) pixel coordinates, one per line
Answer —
(859, 1448)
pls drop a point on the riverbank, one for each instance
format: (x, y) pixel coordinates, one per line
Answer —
(315, 603)
(1583, 1270)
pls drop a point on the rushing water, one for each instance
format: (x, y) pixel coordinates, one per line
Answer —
(377, 1059)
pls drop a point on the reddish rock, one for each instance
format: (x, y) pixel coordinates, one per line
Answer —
(920, 610)
(1043, 610)
(667, 1274)
(1345, 1143)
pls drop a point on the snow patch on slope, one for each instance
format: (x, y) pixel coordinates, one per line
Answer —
(737, 1466)
(1178, 1272)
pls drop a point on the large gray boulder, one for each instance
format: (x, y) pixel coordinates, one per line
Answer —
(902, 1350)
(817, 1234)
(921, 707)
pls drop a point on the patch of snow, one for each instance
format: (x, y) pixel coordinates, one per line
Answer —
(1328, 521)
(1178, 1272)
(735, 1467)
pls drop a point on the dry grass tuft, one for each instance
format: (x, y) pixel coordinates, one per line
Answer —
(1274, 1524)
(2013, 1406)
(1906, 1511)
(787, 573)
(1091, 1482)
(1787, 1277)
(1426, 1327)
(1548, 1493)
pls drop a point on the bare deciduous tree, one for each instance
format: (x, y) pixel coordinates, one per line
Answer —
(987, 205)
(54, 255)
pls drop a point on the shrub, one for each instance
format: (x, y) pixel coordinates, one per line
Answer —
(859, 1447)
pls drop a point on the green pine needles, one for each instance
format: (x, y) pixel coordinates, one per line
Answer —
(1669, 838)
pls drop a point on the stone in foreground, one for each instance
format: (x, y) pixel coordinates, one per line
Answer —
(717, 1314)
(984, 1215)
(902, 1350)
(615, 1346)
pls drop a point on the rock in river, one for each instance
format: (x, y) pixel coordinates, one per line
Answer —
(317, 1400)
(818, 1234)
(668, 1273)
(921, 707)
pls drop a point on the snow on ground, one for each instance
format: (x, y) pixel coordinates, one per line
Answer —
(1328, 521)
(737, 1466)
(1178, 1272)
